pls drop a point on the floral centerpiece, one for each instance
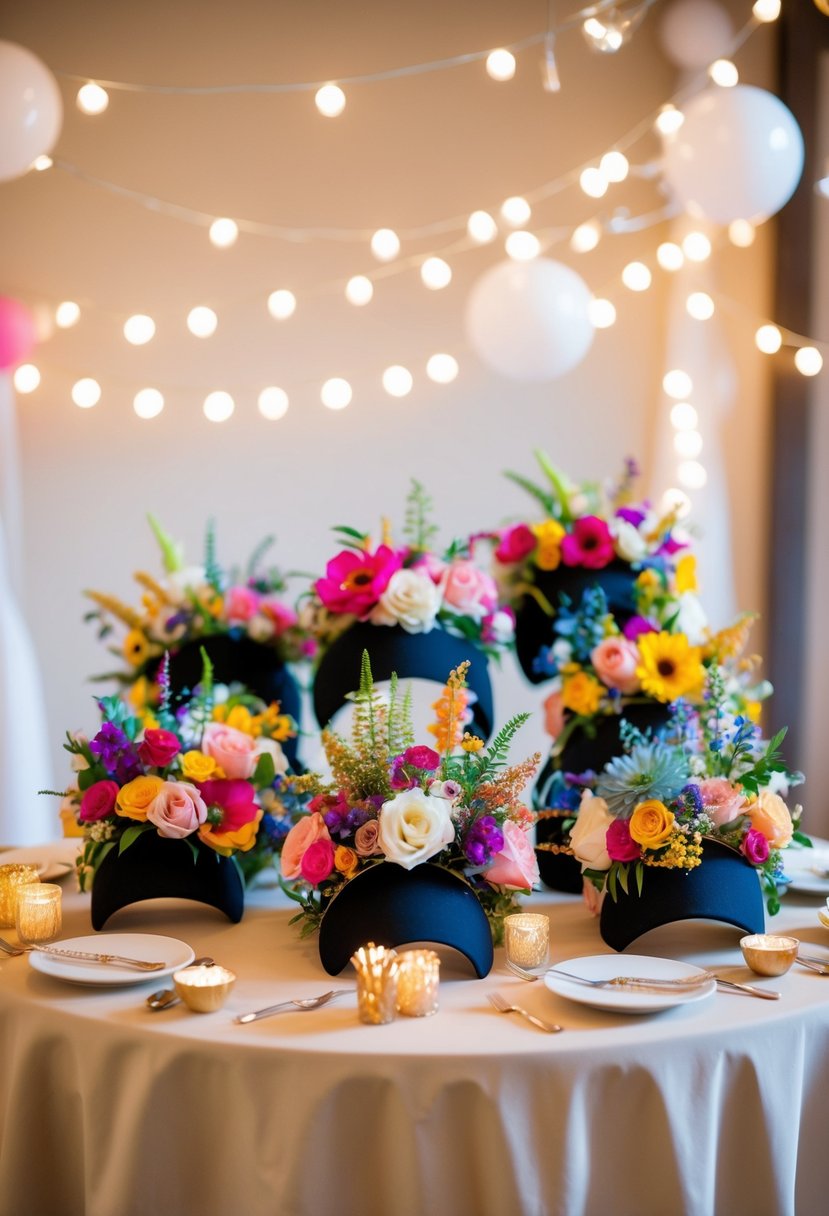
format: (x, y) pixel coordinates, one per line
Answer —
(409, 585)
(394, 802)
(711, 776)
(212, 775)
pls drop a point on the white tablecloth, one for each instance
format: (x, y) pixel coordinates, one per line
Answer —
(107, 1109)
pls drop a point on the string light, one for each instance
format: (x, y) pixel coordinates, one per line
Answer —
(436, 274)
(522, 246)
(26, 378)
(677, 384)
(550, 79)
(359, 290)
(768, 339)
(224, 233)
(684, 417)
(669, 119)
(139, 330)
(677, 502)
(92, 99)
(385, 245)
(330, 100)
(202, 321)
(741, 233)
(696, 247)
(670, 256)
(481, 227)
(615, 166)
(148, 403)
(273, 403)
(766, 10)
(86, 392)
(442, 368)
(808, 360)
(500, 64)
(688, 443)
(516, 211)
(67, 314)
(724, 73)
(593, 182)
(42, 162)
(602, 313)
(397, 381)
(218, 406)
(336, 393)
(281, 304)
(692, 475)
(636, 276)
(586, 236)
(700, 306)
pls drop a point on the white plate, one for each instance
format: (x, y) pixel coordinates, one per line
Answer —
(627, 1000)
(808, 873)
(52, 861)
(149, 946)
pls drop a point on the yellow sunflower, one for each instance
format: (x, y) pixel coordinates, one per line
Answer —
(136, 647)
(671, 667)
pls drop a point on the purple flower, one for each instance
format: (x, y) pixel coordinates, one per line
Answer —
(400, 779)
(483, 840)
(638, 625)
(632, 515)
(116, 753)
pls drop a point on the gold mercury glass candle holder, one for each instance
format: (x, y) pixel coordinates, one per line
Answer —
(13, 876)
(203, 989)
(378, 970)
(38, 915)
(418, 982)
(527, 938)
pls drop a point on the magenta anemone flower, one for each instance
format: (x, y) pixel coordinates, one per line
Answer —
(589, 544)
(355, 581)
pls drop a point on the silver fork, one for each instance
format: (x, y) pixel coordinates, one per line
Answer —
(9, 949)
(503, 1006)
(813, 965)
(311, 1002)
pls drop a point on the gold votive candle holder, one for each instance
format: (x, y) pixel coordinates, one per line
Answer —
(13, 876)
(378, 972)
(418, 982)
(38, 916)
(203, 989)
(527, 938)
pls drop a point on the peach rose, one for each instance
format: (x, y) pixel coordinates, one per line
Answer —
(236, 752)
(177, 810)
(770, 815)
(615, 660)
(309, 829)
(588, 835)
(515, 867)
(554, 715)
(722, 800)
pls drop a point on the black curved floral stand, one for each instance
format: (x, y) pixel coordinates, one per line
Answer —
(390, 906)
(723, 888)
(427, 656)
(244, 661)
(153, 867)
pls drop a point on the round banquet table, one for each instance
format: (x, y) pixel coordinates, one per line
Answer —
(109, 1109)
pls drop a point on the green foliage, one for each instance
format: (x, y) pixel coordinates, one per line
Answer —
(212, 569)
(494, 758)
(172, 553)
(418, 529)
(350, 538)
(131, 835)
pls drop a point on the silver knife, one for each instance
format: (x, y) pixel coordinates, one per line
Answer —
(83, 956)
(765, 993)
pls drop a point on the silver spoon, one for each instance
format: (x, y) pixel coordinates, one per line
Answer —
(165, 997)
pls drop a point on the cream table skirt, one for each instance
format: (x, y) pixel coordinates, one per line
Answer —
(107, 1109)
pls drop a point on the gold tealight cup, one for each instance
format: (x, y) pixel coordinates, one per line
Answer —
(38, 915)
(769, 954)
(378, 971)
(527, 938)
(204, 989)
(13, 876)
(418, 982)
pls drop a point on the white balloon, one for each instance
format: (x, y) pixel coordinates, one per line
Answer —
(738, 155)
(530, 321)
(694, 33)
(31, 110)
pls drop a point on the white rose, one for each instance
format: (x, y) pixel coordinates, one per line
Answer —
(588, 836)
(414, 827)
(629, 542)
(179, 582)
(501, 628)
(411, 600)
(691, 619)
(274, 750)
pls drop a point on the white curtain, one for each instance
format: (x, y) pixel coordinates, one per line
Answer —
(25, 746)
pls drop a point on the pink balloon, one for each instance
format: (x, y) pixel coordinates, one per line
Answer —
(17, 332)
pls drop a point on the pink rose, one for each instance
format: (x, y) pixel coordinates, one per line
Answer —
(365, 839)
(98, 801)
(469, 590)
(554, 715)
(158, 748)
(515, 544)
(177, 809)
(317, 862)
(615, 660)
(619, 843)
(281, 616)
(301, 835)
(515, 866)
(241, 603)
(431, 565)
(755, 847)
(722, 800)
(235, 751)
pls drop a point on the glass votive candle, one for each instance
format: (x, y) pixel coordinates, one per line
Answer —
(417, 984)
(378, 971)
(13, 876)
(527, 938)
(203, 989)
(38, 915)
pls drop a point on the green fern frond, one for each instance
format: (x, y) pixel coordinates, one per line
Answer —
(418, 529)
(212, 570)
(255, 559)
(546, 501)
(562, 498)
(495, 756)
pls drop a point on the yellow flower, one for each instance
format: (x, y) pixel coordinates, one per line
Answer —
(754, 710)
(196, 766)
(135, 797)
(241, 838)
(671, 667)
(648, 578)
(549, 535)
(686, 574)
(241, 719)
(346, 860)
(136, 647)
(582, 693)
(651, 824)
(471, 743)
(142, 694)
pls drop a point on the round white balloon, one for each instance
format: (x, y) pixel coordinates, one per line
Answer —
(737, 156)
(694, 33)
(31, 110)
(530, 321)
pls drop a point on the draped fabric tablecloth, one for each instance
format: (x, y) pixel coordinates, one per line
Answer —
(107, 1109)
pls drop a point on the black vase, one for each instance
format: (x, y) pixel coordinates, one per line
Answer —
(244, 661)
(723, 888)
(559, 870)
(153, 867)
(534, 628)
(428, 656)
(391, 906)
